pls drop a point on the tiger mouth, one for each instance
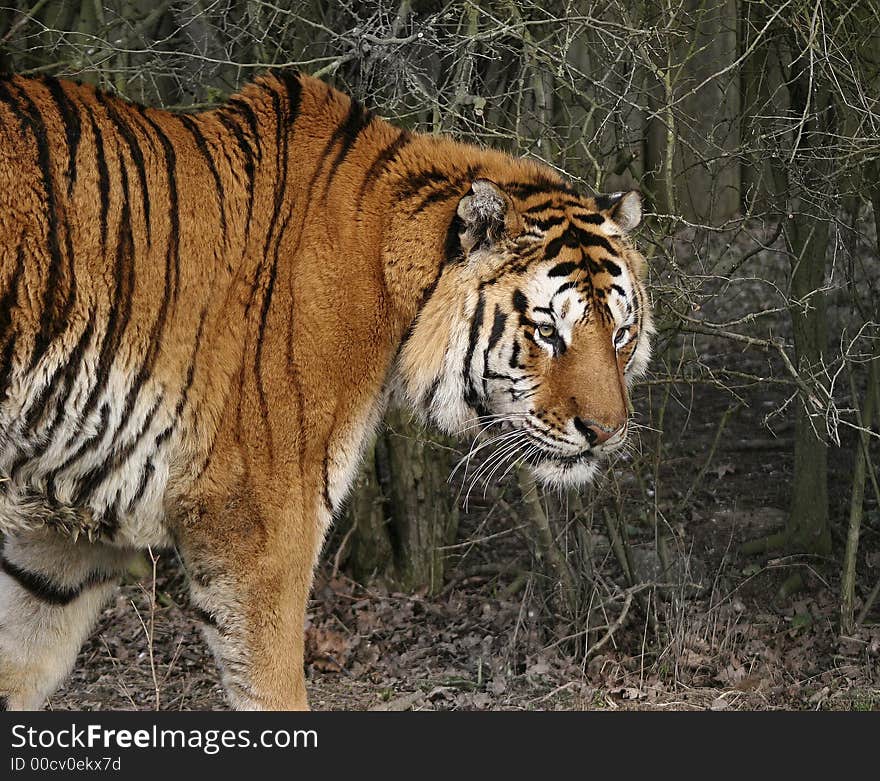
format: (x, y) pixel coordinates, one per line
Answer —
(566, 461)
(561, 459)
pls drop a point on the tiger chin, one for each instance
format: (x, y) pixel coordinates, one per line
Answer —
(202, 317)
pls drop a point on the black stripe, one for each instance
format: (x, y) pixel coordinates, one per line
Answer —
(249, 168)
(595, 268)
(250, 118)
(6, 363)
(453, 189)
(514, 355)
(103, 175)
(325, 467)
(611, 267)
(258, 358)
(308, 190)
(190, 376)
(589, 239)
(520, 303)
(267, 298)
(291, 80)
(550, 222)
(562, 269)
(172, 253)
(605, 202)
(121, 304)
(467, 373)
(166, 432)
(523, 190)
(346, 134)
(498, 324)
(565, 286)
(70, 368)
(63, 313)
(493, 375)
(136, 152)
(282, 140)
(448, 185)
(539, 207)
(452, 252)
(9, 300)
(202, 145)
(415, 182)
(72, 126)
(589, 217)
(10, 100)
(280, 183)
(204, 616)
(88, 444)
(425, 296)
(527, 190)
(382, 161)
(452, 249)
(44, 588)
(567, 239)
(52, 320)
(428, 401)
(146, 475)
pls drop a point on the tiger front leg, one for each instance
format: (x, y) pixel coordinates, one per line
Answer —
(51, 592)
(249, 580)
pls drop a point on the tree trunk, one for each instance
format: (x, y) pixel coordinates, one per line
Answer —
(403, 511)
(370, 552)
(424, 513)
(806, 234)
(808, 520)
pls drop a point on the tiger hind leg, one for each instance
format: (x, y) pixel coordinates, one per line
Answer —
(51, 592)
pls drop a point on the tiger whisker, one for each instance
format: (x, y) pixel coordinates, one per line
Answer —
(520, 460)
(512, 456)
(490, 420)
(502, 450)
(499, 454)
(474, 449)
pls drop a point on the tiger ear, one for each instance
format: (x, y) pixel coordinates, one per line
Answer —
(624, 209)
(486, 214)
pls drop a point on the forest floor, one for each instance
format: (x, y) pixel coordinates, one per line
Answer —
(724, 639)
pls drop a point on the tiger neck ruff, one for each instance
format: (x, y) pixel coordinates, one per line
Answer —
(202, 317)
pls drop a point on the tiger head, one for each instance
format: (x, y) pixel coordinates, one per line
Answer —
(535, 328)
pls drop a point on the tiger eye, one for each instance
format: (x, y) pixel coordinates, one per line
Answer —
(546, 330)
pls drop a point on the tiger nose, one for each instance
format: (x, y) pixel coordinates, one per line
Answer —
(595, 433)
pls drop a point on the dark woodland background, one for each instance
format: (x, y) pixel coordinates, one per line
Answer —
(731, 558)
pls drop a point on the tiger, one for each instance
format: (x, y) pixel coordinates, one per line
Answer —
(204, 315)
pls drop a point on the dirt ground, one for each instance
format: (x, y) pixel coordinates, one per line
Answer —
(725, 639)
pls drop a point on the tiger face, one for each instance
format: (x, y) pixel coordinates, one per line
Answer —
(542, 323)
